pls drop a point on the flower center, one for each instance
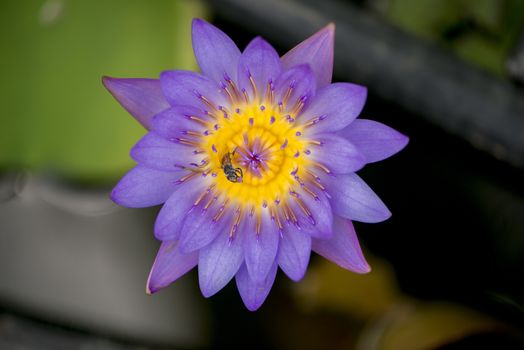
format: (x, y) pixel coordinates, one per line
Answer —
(255, 152)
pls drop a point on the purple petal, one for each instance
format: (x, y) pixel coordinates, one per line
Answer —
(218, 262)
(374, 140)
(293, 253)
(216, 54)
(175, 122)
(192, 89)
(254, 294)
(352, 198)
(337, 154)
(317, 51)
(261, 250)
(343, 248)
(314, 213)
(169, 221)
(142, 98)
(169, 265)
(300, 81)
(334, 107)
(144, 187)
(199, 228)
(156, 152)
(260, 61)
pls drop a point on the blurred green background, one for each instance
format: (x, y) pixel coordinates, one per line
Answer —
(56, 114)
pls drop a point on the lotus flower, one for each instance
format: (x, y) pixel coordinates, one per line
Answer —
(254, 161)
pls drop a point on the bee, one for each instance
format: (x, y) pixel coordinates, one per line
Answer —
(232, 174)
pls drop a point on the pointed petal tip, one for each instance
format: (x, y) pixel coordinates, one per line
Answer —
(141, 97)
(357, 90)
(158, 230)
(149, 289)
(328, 31)
(375, 140)
(105, 80)
(197, 22)
(254, 294)
(215, 52)
(206, 290)
(165, 73)
(253, 306)
(404, 140)
(258, 40)
(362, 269)
(114, 196)
(259, 43)
(318, 51)
(112, 84)
(325, 33)
(109, 83)
(360, 160)
(365, 269)
(143, 187)
(362, 90)
(353, 199)
(169, 266)
(207, 294)
(382, 214)
(297, 278)
(344, 248)
(118, 197)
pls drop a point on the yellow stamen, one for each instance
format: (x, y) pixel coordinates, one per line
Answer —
(254, 152)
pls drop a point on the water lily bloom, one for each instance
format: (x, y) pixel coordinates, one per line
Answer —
(254, 161)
